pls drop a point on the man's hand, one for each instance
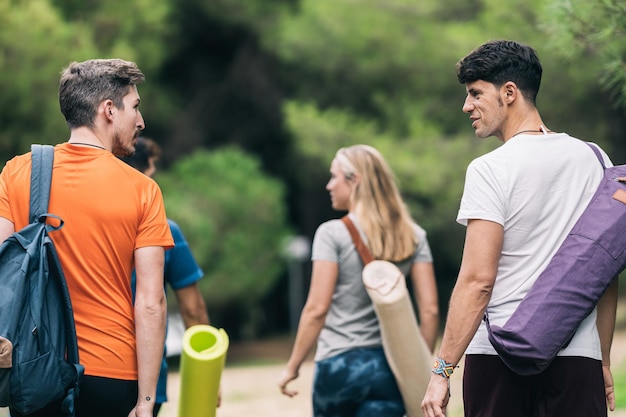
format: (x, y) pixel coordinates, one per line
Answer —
(609, 388)
(142, 409)
(437, 397)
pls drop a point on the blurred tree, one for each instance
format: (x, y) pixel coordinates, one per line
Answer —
(589, 36)
(31, 58)
(383, 73)
(430, 173)
(235, 221)
(134, 30)
(137, 31)
(221, 84)
(583, 29)
(290, 81)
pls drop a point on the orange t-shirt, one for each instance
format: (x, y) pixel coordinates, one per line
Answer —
(109, 209)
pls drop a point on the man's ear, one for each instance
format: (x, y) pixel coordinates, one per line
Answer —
(509, 92)
(108, 109)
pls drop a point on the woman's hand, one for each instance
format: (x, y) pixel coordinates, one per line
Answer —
(286, 377)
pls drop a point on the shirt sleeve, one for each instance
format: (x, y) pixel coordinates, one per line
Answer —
(154, 229)
(482, 194)
(422, 252)
(5, 209)
(325, 247)
(181, 268)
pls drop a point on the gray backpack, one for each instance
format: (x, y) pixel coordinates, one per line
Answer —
(38, 348)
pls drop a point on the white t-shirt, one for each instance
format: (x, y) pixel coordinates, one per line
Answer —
(536, 187)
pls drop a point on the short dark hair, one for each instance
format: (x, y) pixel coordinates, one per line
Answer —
(84, 85)
(145, 148)
(500, 61)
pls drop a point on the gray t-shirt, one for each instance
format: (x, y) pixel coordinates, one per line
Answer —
(351, 321)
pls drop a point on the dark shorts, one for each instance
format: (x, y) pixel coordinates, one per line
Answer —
(358, 383)
(99, 397)
(569, 387)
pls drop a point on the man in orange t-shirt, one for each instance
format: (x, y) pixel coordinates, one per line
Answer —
(114, 221)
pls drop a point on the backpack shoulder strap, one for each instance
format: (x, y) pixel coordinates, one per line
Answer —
(364, 252)
(595, 150)
(40, 180)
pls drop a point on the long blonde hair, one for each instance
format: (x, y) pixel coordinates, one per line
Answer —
(377, 204)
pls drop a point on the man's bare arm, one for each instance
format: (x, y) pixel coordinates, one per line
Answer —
(150, 319)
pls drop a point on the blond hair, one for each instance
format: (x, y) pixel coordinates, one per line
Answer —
(377, 204)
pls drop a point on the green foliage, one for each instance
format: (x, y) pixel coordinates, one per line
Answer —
(369, 56)
(418, 159)
(259, 15)
(619, 379)
(383, 73)
(137, 31)
(291, 81)
(31, 59)
(235, 221)
(380, 57)
(319, 133)
(592, 30)
(134, 30)
(429, 168)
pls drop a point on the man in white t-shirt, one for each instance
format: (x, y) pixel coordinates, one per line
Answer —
(519, 203)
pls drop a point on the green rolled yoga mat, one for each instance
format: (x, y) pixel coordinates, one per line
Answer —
(201, 364)
(406, 351)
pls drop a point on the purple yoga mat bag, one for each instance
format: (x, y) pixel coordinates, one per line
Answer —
(590, 258)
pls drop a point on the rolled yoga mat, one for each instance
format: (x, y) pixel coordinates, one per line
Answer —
(201, 364)
(406, 351)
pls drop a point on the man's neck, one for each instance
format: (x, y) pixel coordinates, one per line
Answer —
(83, 136)
(530, 124)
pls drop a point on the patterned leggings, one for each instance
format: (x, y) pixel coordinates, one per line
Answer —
(357, 383)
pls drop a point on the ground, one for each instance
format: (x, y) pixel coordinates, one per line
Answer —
(252, 369)
(249, 383)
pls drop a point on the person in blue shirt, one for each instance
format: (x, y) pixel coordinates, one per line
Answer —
(182, 272)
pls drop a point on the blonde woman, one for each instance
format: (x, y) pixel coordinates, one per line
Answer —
(352, 376)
